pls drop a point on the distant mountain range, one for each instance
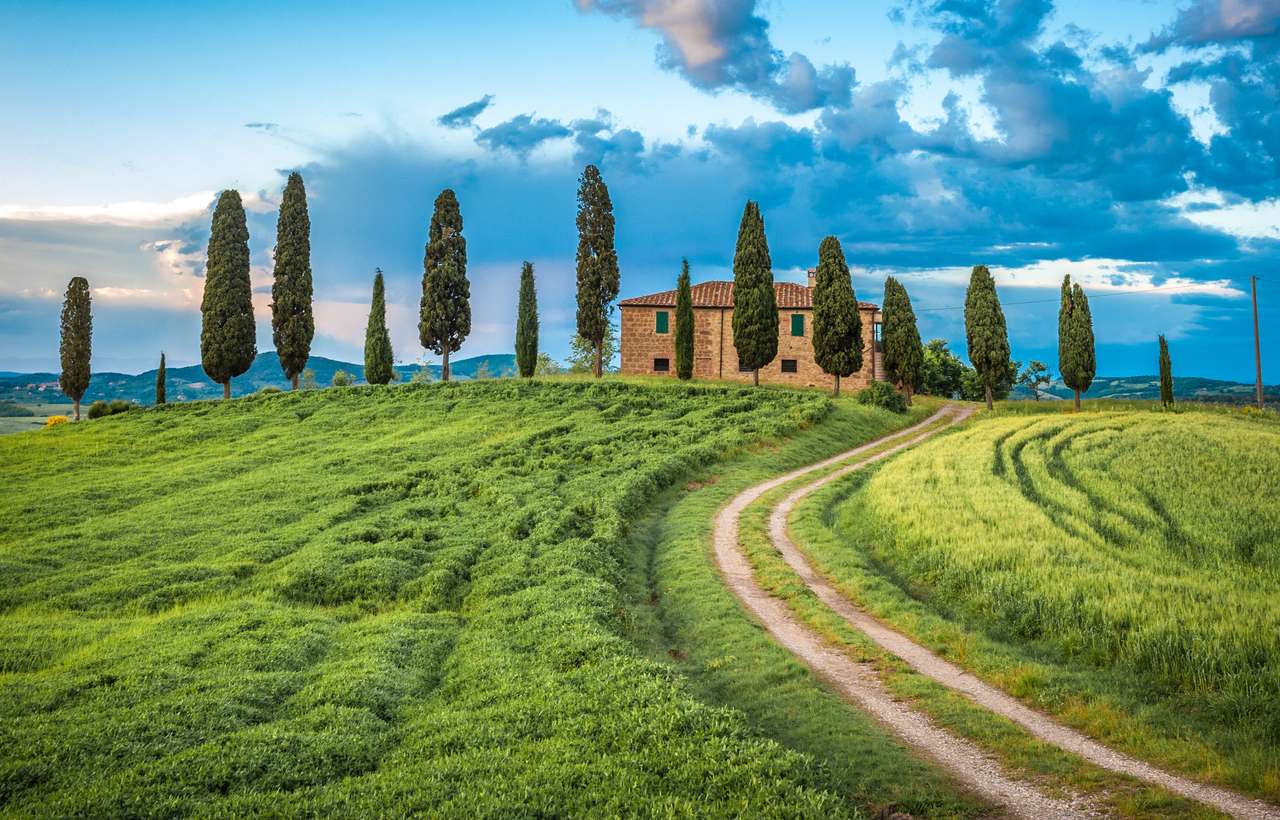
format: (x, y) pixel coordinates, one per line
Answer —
(191, 383)
(1185, 388)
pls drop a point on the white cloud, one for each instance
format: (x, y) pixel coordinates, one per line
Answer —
(132, 214)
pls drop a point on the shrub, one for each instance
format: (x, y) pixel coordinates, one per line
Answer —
(882, 394)
(11, 409)
(54, 421)
(102, 408)
(121, 406)
(268, 390)
(341, 378)
(99, 409)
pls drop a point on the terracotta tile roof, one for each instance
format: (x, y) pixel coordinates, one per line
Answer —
(719, 294)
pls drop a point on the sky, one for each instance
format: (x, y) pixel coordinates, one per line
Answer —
(1133, 144)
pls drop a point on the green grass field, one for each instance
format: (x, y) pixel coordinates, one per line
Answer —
(21, 424)
(367, 600)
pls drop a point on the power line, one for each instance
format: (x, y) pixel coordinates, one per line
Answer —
(1092, 296)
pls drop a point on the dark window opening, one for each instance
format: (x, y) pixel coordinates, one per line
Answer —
(661, 365)
(742, 368)
(789, 366)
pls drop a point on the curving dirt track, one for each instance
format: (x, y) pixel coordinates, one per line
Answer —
(965, 761)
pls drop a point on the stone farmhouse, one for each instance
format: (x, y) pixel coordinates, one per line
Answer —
(649, 327)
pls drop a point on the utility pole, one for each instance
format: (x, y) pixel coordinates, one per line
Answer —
(1257, 344)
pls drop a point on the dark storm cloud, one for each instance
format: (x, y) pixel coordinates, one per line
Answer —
(464, 116)
(521, 134)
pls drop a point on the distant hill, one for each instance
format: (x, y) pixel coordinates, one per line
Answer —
(1186, 388)
(191, 383)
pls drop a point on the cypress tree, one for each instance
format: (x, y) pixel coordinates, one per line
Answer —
(160, 376)
(77, 340)
(755, 305)
(1166, 374)
(1076, 359)
(527, 324)
(903, 353)
(985, 331)
(378, 358)
(597, 261)
(292, 325)
(445, 313)
(228, 337)
(837, 324)
(684, 324)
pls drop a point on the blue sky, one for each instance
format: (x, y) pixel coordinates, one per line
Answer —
(1132, 143)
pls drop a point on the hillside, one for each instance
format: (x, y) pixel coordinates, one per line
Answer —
(1185, 388)
(192, 383)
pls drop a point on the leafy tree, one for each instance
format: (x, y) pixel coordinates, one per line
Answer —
(755, 305)
(583, 352)
(598, 279)
(837, 325)
(1166, 374)
(483, 372)
(342, 378)
(1076, 359)
(445, 315)
(942, 371)
(422, 375)
(77, 340)
(378, 358)
(985, 331)
(527, 324)
(974, 388)
(228, 337)
(684, 323)
(1035, 378)
(903, 354)
(292, 325)
(547, 366)
(160, 381)
(309, 379)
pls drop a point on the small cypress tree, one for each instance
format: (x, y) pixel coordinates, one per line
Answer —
(1166, 374)
(160, 377)
(985, 331)
(77, 341)
(228, 337)
(684, 324)
(378, 358)
(903, 353)
(445, 312)
(597, 261)
(755, 305)
(292, 325)
(527, 324)
(1076, 358)
(837, 324)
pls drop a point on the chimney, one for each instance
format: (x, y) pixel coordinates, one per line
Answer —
(813, 274)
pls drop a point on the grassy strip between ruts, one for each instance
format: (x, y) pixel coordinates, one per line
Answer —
(682, 614)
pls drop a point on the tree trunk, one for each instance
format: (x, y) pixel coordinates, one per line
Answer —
(837, 393)
(755, 377)
(1077, 401)
(77, 401)
(988, 391)
(295, 381)
(444, 367)
(226, 390)
(907, 388)
(597, 367)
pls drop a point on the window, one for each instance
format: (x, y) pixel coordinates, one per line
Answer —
(661, 365)
(742, 368)
(789, 366)
(797, 324)
(662, 321)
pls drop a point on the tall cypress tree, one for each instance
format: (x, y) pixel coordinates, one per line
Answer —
(597, 259)
(445, 314)
(378, 358)
(160, 379)
(903, 353)
(837, 324)
(228, 338)
(684, 323)
(755, 305)
(76, 342)
(1076, 359)
(292, 325)
(1166, 374)
(527, 324)
(985, 331)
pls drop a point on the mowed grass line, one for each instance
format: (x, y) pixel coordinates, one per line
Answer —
(372, 601)
(684, 616)
(1077, 493)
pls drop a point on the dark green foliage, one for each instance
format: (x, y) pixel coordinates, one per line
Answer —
(102, 408)
(883, 394)
(755, 305)
(903, 353)
(527, 324)
(160, 377)
(942, 371)
(973, 388)
(1076, 358)
(76, 343)
(445, 312)
(597, 260)
(292, 325)
(378, 358)
(837, 323)
(1166, 374)
(13, 410)
(684, 324)
(985, 331)
(228, 338)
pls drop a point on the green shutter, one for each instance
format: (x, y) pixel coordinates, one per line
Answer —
(797, 324)
(662, 325)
